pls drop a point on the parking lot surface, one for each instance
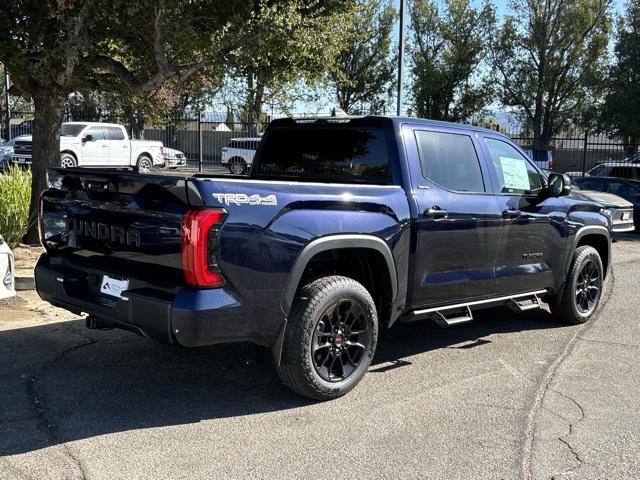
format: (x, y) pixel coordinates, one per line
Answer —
(508, 396)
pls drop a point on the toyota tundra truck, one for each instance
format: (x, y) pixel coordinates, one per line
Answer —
(343, 227)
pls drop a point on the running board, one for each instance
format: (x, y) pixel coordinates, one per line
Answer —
(457, 318)
(448, 315)
(525, 304)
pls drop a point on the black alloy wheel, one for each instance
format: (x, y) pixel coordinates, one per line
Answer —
(588, 286)
(340, 340)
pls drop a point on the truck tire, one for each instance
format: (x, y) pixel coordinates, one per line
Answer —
(582, 288)
(237, 166)
(330, 338)
(144, 165)
(68, 161)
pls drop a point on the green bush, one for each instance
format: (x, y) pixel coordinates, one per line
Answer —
(15, 195)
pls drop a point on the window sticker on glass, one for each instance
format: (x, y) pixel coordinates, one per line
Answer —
(514, 173)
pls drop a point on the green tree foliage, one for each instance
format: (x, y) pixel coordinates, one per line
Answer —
(304, 37)
(55, 48)
(363, 71)
(621, 111)
(447, 47)
(547, 56)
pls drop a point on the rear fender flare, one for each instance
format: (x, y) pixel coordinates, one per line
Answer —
(323, 244)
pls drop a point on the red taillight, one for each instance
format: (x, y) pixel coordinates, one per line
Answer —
(200, 247)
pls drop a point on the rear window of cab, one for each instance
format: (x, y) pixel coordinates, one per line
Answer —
(344, 153)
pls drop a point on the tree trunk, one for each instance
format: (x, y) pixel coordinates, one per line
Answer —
(253, 104)
(47, 118)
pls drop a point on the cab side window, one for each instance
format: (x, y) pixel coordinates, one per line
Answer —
(516, 175)
(97, 133)
(114, 133)
(450, 160)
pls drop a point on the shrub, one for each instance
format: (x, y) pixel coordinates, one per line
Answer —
(15, 195)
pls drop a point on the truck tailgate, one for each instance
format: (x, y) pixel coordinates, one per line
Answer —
(117, 222)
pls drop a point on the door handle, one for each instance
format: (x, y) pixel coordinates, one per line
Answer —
(436, 212)
(511, 213)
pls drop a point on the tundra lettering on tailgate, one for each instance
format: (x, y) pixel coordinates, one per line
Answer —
(104, 231)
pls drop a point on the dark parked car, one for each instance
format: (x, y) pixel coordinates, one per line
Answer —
(627, 189)
(344, 226)
(612, 169)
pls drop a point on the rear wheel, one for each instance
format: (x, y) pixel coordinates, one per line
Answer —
(145, 165)
(237, 166)
(582, 289)
(68, 161)
(330, 338)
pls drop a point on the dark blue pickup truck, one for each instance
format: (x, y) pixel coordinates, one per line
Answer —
(343, 226)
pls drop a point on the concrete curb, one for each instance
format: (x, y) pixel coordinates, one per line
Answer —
(25, 283)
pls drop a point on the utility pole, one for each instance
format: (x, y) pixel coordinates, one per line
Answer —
(400, 58)
(6, 100)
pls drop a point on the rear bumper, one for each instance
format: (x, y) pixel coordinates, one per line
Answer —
(188, 317)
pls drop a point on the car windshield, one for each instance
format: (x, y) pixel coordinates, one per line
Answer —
(71, 129)
(596, 170)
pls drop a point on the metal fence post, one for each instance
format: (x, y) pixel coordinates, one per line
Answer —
(6, 100)
(199, 141)
(584, 152)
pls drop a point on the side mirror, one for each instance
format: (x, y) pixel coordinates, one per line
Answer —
(88, 138)
(559, 184)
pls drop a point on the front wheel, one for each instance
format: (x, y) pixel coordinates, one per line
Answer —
(330, 338)
(582, 289)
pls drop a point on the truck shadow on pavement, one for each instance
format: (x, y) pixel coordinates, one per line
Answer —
(60, 382)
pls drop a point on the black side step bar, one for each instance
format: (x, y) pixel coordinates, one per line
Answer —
(449, 315)
(524, 304)
(455, 318)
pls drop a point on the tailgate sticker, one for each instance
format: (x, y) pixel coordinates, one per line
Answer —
(244, 199)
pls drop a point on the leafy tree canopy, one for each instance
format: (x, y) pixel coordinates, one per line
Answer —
(621, 112)
(447, 47)
(362, 73)
(547, 55)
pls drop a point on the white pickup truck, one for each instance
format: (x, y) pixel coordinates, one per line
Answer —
(87, 144)
(96, 144)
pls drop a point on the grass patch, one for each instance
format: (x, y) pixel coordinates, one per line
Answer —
(15, 195)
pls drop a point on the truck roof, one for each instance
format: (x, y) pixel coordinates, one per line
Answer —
(104, 124)
(377, 119)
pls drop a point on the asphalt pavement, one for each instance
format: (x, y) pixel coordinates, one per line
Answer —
(509, 396)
